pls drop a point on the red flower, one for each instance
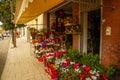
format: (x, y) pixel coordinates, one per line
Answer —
(87, 68)
(54, 74)
(81, 76)
(65, 79)
(33, 33)
(68, 61)
(89, 75)
(58, 54)
(34, 41)
(104, 76)
(85, 73)
(76, 65)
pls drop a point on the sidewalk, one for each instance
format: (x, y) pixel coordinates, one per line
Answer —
(21, 65)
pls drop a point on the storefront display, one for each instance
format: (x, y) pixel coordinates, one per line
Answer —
(54, 48)
(63, 23)
(63, 64)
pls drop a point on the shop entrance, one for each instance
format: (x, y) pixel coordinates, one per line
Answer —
(90, 26)
(93, 40)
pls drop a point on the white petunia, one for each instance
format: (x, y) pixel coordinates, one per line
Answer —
(63, 60)
(92, 72)
(84, 66)
(97, 74)
(88, 78)
(78, 70)
(72, 62)
(36, 51)
(94, 77)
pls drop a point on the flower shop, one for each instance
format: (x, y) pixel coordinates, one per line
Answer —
(55, 47)
(66, 64)
(74, 27)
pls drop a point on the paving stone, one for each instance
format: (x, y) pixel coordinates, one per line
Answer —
(21, 65)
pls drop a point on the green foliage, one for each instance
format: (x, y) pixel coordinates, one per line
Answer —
(70, 75)
(92, 61)
(111, 72)
(73, 54)
(5, 13)
(20, 25)
(86, 59)
(8, 26)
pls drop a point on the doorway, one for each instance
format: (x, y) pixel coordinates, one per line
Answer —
(93, 31)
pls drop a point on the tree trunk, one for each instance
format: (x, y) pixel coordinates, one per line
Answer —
(12, 32)
(14, 41)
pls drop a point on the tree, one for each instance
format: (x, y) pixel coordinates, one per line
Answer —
(7, 9)
(6, 17)
(5, 13)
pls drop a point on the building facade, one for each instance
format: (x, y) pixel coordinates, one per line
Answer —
(98, 21)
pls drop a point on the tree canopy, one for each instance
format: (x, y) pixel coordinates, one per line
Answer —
(6, 13)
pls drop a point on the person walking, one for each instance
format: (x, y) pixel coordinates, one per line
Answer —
(2, 37)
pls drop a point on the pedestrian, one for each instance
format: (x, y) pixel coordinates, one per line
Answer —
(2, 36)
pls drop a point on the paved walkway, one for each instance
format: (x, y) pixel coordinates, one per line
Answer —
(21, 65)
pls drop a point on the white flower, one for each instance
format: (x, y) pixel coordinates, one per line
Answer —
(88, 78)
(97, 74)
(72, 62)
(36, 44)
(57, 62)
(78, 70)
(63, 60)
(65, 70)
(84, 66)
(36, 51)
(94, 77)
(92, 72)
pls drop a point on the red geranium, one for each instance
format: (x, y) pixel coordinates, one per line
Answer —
(104, 76)
(82, 76)
(87, 68)
(76, 65)
(33, 33)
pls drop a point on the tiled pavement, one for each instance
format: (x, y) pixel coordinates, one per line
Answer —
(21, 65)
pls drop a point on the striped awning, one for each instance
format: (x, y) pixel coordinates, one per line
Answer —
(27, 10)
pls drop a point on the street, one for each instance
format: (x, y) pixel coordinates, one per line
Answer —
(4, 46)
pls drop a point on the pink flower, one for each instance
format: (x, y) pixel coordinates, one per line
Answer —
(76, 65)
(65, 64)
(87, 68)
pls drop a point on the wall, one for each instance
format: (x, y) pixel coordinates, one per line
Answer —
(40, 22)
(111, 44)
(76, 20)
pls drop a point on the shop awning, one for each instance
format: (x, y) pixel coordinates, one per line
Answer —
(27, 10)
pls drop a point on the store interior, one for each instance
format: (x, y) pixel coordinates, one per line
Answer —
(94, 31)
(61, 21)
